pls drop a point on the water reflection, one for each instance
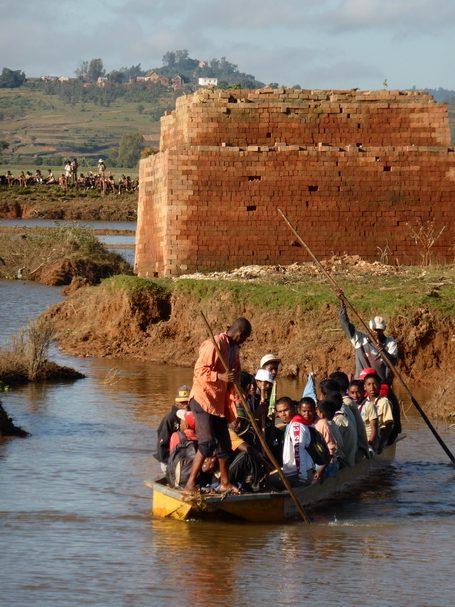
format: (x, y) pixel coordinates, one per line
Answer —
(111, 225)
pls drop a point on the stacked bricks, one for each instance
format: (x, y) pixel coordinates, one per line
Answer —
(205, 207)
(267, 117)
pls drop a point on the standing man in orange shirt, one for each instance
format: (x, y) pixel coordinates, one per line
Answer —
(209, 398)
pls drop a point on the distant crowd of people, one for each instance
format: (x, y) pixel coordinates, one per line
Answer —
(101, 180)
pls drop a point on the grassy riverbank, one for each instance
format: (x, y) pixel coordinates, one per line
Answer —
(55, 256)
(293, 315)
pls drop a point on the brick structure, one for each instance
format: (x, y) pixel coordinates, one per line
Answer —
(350, 170)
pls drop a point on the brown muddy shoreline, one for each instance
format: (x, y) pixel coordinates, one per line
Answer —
(73, 207)
(167, 328)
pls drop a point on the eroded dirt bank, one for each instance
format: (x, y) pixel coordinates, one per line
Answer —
(160, 321)
(70, 206)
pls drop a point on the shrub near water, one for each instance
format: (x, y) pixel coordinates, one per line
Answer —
(25, 355)
(55, 255)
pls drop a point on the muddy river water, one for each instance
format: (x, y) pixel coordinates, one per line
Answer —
(76, 528)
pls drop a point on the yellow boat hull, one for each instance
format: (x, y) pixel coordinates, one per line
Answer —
(260, 507)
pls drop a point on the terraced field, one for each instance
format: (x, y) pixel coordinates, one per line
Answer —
(34, 123)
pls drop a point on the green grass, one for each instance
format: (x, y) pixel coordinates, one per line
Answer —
(387, 295)
(44, 194)
(133, 285)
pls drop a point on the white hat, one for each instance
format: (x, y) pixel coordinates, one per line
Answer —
(269, 358)
(263, 375)
(377, 323)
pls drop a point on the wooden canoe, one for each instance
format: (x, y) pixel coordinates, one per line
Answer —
(261, 507)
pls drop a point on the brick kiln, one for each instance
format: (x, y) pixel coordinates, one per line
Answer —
(350, 169)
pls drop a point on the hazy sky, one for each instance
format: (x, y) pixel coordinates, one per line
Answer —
(314, 43)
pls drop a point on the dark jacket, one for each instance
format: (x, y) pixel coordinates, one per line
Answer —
(168, 425)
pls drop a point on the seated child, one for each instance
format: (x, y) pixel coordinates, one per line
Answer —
(248, 467)
(308, 412)
(327, 409)
(344, 419)
(297, 463)
(362, 439)
(9, 178)
(50, 177)
(187, 425)
(367, 410)
(372, 384)
(169, 424)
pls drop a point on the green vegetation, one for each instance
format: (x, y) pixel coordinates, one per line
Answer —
(25, 357)
(11, 78)
(129, 152)
(133, 285)
(56, 255)
(408, 289)
(38, 124)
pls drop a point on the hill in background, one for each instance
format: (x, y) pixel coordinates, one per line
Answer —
(44, 121)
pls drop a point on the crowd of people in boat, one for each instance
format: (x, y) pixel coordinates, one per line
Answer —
(100, 180)
(208, 440)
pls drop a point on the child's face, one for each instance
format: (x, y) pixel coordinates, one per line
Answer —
(183, 425)
(372, 387)
(252, 388)
(319, 413)
(307, 412)
(356, 393)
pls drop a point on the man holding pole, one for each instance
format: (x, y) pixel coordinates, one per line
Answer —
(209, 398)
(369, 354)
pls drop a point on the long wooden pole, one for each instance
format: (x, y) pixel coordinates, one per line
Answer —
(370, 334)
(256, 428)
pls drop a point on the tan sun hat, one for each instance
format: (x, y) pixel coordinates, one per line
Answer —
(269, 358)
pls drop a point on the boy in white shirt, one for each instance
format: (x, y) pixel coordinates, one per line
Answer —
(297, 462)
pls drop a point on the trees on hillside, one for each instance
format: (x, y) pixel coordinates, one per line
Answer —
(129, 152)
(11, 79)
(91, 70)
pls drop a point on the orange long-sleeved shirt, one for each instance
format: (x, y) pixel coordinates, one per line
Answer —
(209, 391)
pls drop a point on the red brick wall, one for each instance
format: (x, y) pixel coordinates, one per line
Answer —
(212, 208)
(379, 118)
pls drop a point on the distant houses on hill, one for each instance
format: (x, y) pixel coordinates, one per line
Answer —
(176, 81)
(208, 81)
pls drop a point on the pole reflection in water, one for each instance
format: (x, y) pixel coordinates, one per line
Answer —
(76, 528)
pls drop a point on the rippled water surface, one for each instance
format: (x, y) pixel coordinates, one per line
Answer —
(76, 528)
